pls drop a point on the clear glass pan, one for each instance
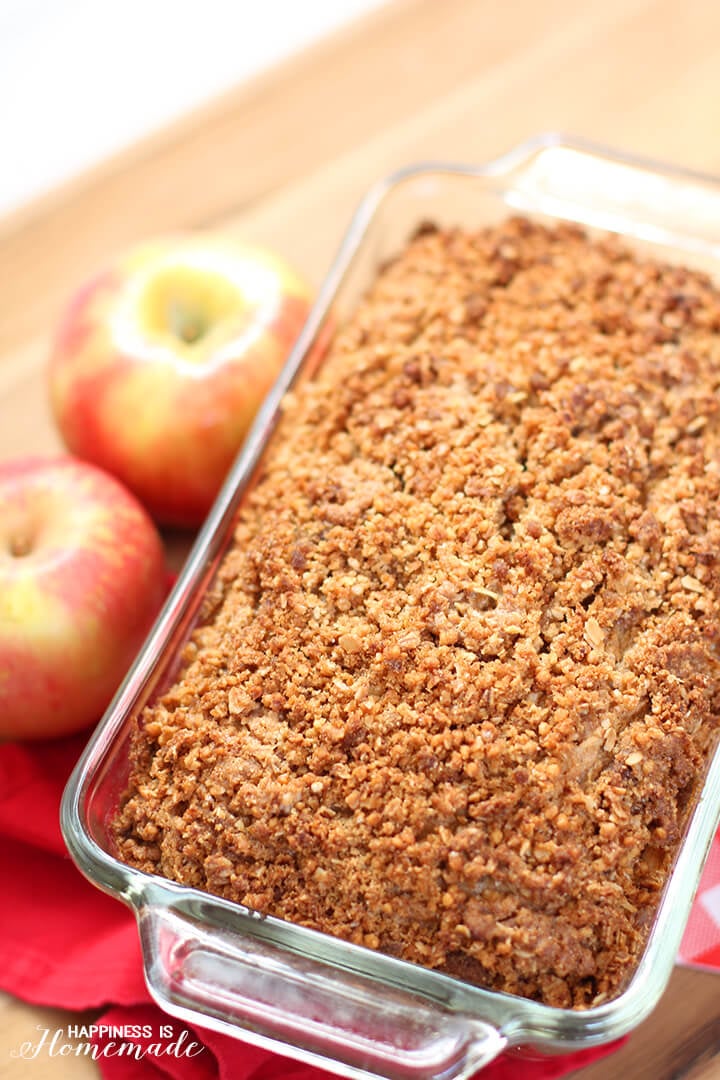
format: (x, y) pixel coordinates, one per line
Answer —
(297, 991)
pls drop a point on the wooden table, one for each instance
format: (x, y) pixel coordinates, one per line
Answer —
(285, 159)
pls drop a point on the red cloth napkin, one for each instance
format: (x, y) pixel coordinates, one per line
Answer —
(700, 947)
(64, 943)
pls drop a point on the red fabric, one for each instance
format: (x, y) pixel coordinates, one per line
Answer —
(64, 943)
(700, 947)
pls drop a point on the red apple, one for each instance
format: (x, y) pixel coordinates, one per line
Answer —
(162, 361)
(82, 576)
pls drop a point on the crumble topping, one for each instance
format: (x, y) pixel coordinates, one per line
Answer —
(457, 679)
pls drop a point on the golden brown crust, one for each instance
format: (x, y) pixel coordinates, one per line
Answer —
(459, 673)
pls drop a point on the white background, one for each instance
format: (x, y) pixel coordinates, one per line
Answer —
(80, 79)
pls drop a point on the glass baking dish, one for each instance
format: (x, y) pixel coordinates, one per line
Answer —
(297, 991)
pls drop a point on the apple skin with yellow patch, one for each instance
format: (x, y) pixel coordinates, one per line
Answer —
(162, 361)
(82, 577)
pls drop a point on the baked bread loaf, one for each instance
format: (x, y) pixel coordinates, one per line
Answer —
(457, 679)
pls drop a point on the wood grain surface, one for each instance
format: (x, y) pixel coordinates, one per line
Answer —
(284, 160)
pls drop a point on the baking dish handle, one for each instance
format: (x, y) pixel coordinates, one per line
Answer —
(303, 1007)
(654, 202)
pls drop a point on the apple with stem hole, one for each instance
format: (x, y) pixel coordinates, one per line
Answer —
(82, 576)
(162, 360)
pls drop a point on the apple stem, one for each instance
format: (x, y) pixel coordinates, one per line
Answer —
(20, 546)
(189, 327)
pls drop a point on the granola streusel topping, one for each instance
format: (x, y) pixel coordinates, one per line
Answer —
(458, 676)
